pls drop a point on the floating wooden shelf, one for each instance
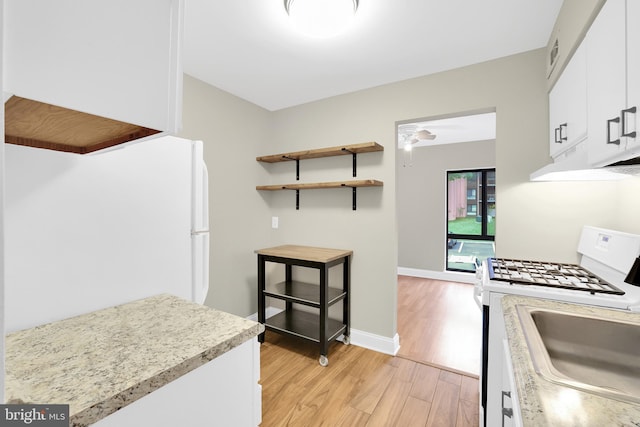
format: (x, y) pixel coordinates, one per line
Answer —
(353, 149)
(315, 185)
(36, 124)
(319, 185)
(365, 147)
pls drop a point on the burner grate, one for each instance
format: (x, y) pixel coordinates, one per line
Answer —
(555, 275)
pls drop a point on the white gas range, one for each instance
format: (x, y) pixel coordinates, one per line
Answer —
(606, 257)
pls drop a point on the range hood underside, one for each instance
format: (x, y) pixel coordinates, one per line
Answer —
(576, 167)
(36, 124)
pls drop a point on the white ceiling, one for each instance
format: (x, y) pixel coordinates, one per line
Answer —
(247, 47)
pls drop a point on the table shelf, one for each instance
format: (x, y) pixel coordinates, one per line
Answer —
(304, 293)
(303, 325)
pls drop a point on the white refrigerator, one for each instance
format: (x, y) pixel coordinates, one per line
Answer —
(88, 232)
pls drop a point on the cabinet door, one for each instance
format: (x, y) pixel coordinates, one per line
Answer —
(633, 73)
(510, 400)
(497, 333)
(117, 59)
(557, 116)
(568, 105)
(606, 81)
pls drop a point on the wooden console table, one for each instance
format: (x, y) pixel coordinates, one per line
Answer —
(315, 327)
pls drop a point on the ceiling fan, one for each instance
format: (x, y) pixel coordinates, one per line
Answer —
(410, 135)
(422, 135)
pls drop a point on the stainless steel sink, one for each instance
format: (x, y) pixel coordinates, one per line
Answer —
(590, 353)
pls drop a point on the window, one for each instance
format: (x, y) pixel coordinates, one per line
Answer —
(471, 193)
(471, 218)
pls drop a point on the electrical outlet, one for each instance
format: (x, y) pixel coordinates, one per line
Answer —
(274, 222)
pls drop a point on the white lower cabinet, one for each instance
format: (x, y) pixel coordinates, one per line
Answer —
(510, 403)
(502, 400)
(223, 392)
(497, 334)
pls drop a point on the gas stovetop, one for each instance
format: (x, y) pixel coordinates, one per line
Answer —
(555, 275)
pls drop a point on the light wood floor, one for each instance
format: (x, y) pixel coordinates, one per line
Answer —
(361, 387)
(439, 323)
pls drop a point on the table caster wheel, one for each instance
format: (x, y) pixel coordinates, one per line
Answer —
(346, 340)
(323, 361)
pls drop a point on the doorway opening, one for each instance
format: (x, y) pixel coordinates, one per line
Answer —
(437, 315)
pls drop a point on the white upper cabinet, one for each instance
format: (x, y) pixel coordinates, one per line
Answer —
(568, 105)
(611, 117)
(118, 59)
(633, 75)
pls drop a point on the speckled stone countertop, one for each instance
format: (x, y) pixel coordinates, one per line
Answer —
(543, 403)
(102, 361)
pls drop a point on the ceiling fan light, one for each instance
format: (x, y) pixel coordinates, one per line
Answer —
(320, 18)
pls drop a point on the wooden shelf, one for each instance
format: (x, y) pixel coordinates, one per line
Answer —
(36, 124)
(316, 185)
(352, 149)
(365, 147)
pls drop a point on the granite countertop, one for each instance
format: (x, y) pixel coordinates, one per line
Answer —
(102, 361)
(543, 403)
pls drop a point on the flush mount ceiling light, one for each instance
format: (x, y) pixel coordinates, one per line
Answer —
(321, 18)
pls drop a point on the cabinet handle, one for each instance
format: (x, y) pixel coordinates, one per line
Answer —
(557, 136)
(623, 114)
(562, 138)
(609, 141)
(506, 412)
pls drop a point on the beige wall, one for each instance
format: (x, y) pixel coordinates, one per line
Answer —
(325, 217)
(536, 220)
(422, 199)
(232, 131)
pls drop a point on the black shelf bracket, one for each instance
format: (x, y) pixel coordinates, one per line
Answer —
(354, 190)
(297, 200)
(297, 165)
(354, 155)
(354, 196)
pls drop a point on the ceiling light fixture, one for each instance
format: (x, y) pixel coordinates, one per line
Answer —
(321, 18)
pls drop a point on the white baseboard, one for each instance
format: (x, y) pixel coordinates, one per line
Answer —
(359, 338)
(450, 276)
(374, 342)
